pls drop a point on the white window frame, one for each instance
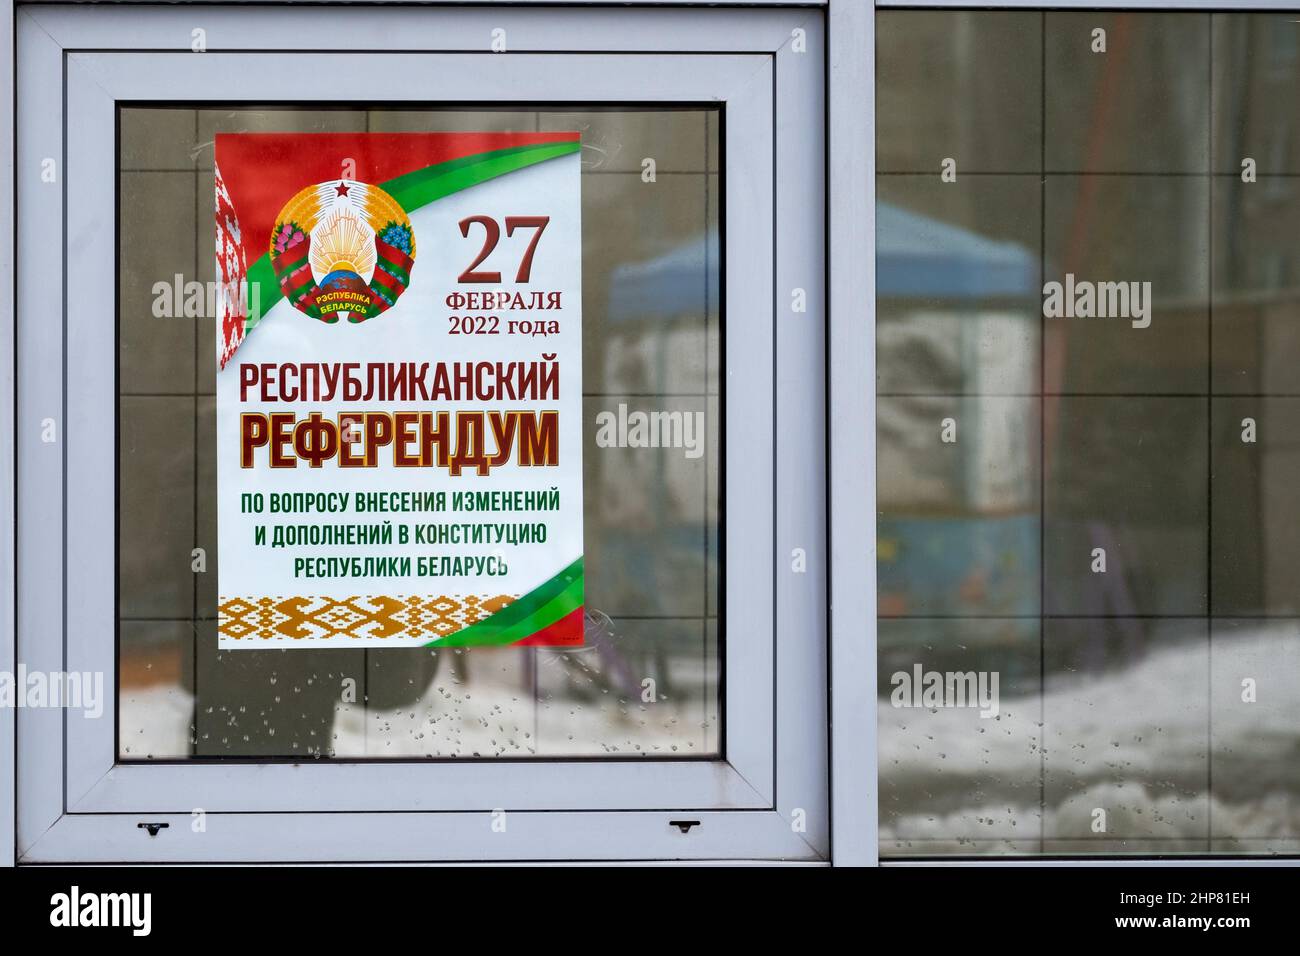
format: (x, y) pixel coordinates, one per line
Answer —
(75, 803)
(850, 169)
(8, 396)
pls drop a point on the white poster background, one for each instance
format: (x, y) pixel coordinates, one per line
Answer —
(417, 329)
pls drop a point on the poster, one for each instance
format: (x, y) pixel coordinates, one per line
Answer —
(399, 361)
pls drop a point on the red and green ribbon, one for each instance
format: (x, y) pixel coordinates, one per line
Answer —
(550, 613)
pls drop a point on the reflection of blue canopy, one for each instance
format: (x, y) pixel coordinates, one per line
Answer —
(921, 257)
(916, 256)
(680, 282)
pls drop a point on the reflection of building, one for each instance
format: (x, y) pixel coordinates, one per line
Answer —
(1109, 146)
(1256, 319)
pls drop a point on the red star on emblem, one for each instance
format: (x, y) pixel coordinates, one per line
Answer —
(342, 189)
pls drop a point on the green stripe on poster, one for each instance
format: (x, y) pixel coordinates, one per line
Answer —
(492, 634)
(538, 608)
(416, 189)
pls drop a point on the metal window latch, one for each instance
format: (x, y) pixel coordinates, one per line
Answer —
(684, 825)
(153, 828)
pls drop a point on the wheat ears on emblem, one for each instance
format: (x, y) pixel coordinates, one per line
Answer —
(342, 248)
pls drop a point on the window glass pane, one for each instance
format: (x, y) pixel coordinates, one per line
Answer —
(646, 681)
(1088, 437)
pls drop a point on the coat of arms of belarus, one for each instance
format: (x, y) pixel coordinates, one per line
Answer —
(342, 248)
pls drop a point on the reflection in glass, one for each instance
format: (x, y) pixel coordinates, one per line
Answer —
(1134, 582)
(651, 340)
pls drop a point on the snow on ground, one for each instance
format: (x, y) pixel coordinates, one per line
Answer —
(579, 709)
(1146, 744)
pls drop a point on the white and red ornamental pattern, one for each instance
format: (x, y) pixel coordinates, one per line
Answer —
(232, 275)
